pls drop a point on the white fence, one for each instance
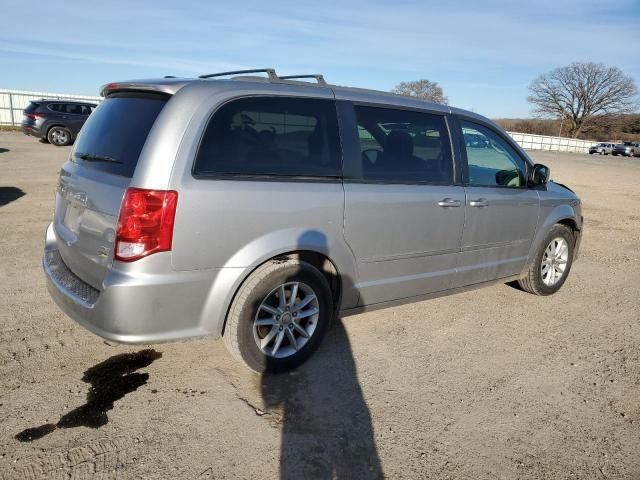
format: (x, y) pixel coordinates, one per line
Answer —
(557, 144)
(12, 102)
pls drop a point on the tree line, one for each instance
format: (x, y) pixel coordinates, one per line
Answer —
(581, 100)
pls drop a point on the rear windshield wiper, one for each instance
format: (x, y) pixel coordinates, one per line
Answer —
(90, 157)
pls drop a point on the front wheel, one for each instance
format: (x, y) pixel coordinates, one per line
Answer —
(552, 263)
(279, 316)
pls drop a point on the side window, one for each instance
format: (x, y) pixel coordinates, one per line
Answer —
(85, 109)
(55, 107)
(404, 146)
(73, 109)
(271, 136)
(491, 160)
(368, 142)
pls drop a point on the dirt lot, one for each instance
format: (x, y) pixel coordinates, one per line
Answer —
(489, 384)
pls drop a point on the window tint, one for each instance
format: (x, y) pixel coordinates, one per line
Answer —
(73, 108)
(491, 160)
(31, 107)
(404, 146)
(70, 108)
(117, 131)
(271, 136)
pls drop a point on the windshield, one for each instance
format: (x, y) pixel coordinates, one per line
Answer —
(113, 136)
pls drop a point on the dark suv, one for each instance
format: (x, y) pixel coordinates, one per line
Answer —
(56, 121)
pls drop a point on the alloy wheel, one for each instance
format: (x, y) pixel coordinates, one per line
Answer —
(554, 261)
(59, 136)
(286, 319)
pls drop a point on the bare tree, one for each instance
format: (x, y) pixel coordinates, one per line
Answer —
(581, 93)
(424, 89)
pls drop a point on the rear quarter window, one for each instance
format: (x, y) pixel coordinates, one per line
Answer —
(32, 107)
(272, 136)
(116, 131)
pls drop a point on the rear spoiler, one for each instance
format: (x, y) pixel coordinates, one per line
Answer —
(167, 87)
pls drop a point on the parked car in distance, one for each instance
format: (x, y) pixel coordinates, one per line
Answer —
(602, 148)
(260, 209)
(56, 121)
(626, 149)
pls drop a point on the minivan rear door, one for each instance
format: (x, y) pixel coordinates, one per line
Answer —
(93, 181)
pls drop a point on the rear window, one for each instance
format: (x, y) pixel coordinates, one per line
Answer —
(31, 107)
(114, 134)
(277, 136)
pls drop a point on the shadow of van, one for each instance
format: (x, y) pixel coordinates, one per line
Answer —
(326, 424)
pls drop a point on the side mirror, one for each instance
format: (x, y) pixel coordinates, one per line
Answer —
(539, 174)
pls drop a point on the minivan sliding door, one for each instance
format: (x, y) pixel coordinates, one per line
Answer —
(403, 213)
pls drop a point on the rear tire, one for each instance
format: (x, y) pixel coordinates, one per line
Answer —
(59, 136)
(552, 263)
(258, 316)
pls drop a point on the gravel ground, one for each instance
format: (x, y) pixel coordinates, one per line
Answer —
(488, 384)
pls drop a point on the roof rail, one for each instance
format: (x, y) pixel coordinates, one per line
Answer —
(271, 73)
(318, 76)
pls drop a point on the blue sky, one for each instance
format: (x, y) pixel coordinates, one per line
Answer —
(483, 53)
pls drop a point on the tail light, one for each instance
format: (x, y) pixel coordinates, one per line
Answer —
(34, 116)
(145, 225)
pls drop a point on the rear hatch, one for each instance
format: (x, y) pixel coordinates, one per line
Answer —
(93, 182)
(28, 112)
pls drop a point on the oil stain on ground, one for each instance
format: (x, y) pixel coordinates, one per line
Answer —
(110, 381)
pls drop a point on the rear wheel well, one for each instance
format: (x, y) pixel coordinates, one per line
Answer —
(324, 265)
(318, 260)
(56, 125)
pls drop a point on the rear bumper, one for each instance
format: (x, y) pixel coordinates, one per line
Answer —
(31, 129)
(131, 307)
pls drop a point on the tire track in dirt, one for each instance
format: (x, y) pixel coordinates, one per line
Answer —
(103, 458)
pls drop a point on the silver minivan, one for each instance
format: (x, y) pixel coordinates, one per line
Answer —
(261, 208)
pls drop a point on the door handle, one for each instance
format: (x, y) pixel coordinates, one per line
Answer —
(480, 202)
(449, 202)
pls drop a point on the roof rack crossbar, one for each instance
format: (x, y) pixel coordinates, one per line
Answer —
(271, 73)
(318, 76)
